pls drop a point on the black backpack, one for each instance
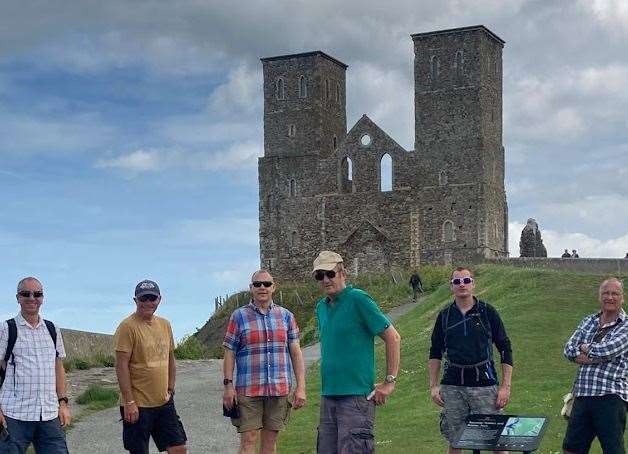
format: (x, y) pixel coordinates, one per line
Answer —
(11, 344)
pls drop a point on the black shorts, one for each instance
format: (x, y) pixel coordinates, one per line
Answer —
(601, 416)
(162, 423)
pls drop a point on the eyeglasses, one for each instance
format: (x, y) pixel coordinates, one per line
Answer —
(258, 284)
(461, 280)
(145, 298)
(320, 274)
(27, 294)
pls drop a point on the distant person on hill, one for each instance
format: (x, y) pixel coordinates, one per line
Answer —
(348, 322)
(262, 339)
(574, 254)
(33, 401)
(566, 255)
(464, 333)
(416, 284)
(599, 345)
(146, 372)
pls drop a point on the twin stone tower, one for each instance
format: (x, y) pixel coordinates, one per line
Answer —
(320, 187)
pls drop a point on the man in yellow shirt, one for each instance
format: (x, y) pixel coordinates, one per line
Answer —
(146, 371)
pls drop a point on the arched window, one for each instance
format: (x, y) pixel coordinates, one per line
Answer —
(448, 231)
(292, 130)
(459, 64)
(326, 89)
(293, 239)
(337, 92)
(293, 188)
(346, 175)
(442, 178)
(335, 142)
(279, 89)
(385, 173)
(302, 87)
(434, 68)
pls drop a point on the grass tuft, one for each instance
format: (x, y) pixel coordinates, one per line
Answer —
(98, 397)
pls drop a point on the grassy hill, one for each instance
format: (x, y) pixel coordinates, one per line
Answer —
(540, 309)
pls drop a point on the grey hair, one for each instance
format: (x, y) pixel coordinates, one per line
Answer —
(25, 280)
(260, 271)
(612, 279)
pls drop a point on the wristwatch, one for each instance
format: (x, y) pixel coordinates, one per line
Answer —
(226, 381)
(63, 399)
(390, 379)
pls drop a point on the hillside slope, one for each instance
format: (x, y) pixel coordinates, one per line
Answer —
(540, 309)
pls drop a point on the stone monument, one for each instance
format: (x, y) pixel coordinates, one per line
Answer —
(531, 243)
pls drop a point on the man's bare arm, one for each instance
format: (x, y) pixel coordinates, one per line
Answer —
(433, 366)
(131, 412)
(64, 410)
(296, 355)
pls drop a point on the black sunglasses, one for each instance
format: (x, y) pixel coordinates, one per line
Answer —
(320, 274)
(27, 294)
(462, 280)
(258, 284)
(144, 298)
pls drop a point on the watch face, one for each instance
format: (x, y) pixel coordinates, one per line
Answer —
(226, 381)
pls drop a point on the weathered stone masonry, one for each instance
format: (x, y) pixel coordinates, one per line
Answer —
(319, 186)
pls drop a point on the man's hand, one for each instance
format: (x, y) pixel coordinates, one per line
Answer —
(229, 398)
(131, 412)
(2, 420)
(503, 395)
(582, 358)
(436, 397)
(299, 398)
(382, 391)
(65, 418)
(584, 348)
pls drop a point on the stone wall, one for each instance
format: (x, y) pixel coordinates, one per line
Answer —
(81, 344)
(612, 267)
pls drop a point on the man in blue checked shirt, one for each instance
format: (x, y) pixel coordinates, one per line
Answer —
(600, 347)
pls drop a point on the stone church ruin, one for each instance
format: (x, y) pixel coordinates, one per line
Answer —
(320, 187)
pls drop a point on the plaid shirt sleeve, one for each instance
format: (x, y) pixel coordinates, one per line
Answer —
(572, 347)
(232, 335)
(611, 346)
(293, 328)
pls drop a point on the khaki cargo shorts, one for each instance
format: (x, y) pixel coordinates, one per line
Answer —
(462, 401)
(270, 413)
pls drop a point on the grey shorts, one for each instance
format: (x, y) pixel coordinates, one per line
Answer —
(462, 401)
(346, 425)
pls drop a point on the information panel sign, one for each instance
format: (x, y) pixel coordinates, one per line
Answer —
(502, 433)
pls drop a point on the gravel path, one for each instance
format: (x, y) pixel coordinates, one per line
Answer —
(198, 401)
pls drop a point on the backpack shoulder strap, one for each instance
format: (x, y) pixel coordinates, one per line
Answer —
(11, 340)
(53, 333)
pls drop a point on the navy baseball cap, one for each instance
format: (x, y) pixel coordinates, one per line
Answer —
(147, 287)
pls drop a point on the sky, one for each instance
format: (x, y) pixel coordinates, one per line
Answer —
(130, 131)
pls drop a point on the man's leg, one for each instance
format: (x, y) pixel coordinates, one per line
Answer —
(249, 423)
(454, 415)
(579, 433)
(327, 440)
(49, 437)
(21, 435)
(482, 401)
(135, 437)
(269, 441)
(356, 417)
(167, 430)
(609, 422)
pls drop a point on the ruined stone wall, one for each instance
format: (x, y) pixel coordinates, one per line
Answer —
(82, 344)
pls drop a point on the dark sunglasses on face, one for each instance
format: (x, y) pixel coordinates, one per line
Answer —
(144, 298)
(320, 275)
(462, 280)
(258, 284)
(27, 294)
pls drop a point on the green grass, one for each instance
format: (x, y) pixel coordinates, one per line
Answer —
(540, 309)
(98, 397)
(83, 363)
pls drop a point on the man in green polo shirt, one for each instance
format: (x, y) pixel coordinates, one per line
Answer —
(348, 321)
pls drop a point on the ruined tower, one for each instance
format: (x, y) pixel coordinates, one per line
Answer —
(321, 187)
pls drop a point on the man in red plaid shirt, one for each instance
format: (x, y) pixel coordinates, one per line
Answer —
(262, 340)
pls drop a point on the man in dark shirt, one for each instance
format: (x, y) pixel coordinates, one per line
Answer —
(566, 255)
(416, 284)
(465, 331)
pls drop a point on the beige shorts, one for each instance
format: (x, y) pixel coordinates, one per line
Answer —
(270, 413)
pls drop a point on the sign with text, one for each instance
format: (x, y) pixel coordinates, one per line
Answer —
(502, 433)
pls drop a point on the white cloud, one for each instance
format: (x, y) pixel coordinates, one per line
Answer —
(136, 161)
(613, 13)
(240, 94)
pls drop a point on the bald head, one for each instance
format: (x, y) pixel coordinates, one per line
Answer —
(29, 279)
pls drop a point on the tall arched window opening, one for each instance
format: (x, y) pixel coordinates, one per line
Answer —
(279, 89)
(385, 173)
(434, 68)
(346, 175)
(293, 188)
(448, 231)
(302, 87)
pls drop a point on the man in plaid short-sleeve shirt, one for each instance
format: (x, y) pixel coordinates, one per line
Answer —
(33, 402)
(262, 342)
